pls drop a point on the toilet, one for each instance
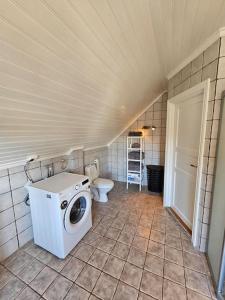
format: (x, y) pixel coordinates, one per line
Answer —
(99, 186)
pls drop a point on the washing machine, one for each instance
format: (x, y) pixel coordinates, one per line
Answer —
(60, 211)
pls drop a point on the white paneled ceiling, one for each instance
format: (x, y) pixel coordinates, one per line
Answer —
(75, 72)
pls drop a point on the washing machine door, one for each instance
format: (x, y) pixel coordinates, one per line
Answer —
(77, 212)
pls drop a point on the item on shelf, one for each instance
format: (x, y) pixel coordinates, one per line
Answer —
(134, 166)
(135, 133)
(136, 155)
(133, 177)
(135, 145)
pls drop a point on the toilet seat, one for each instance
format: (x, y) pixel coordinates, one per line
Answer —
(103, 183)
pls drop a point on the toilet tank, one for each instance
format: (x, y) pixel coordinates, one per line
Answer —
(91, 171)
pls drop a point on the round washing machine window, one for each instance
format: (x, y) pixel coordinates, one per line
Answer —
(77, 211)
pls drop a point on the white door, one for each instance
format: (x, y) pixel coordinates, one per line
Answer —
(188, 116)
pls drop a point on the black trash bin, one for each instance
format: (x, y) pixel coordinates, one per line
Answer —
(155, 175)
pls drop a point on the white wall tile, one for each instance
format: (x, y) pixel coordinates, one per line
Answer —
(222, 47)
(196, 64)
(18, 180)
(221, 68)
(35, 174)
(211, 53)
(21, 210)
(220, 87)
(23, 223)
(7, 233)
(210, 71)
(3, 172)
(8, 248)
(5, 201)
(4, 184)
(25, 236)
(16, 170)
(18, 195)
(6, 217)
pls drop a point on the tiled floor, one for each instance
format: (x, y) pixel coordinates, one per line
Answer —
(135, 250)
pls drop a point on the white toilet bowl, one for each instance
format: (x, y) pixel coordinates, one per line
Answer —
(103, 186)
(99, 186)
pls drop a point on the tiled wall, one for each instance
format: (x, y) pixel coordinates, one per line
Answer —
(154, 141)
(210, 64)
(102, 155)
(15, 218)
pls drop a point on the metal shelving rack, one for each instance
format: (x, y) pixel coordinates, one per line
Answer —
(135, 176)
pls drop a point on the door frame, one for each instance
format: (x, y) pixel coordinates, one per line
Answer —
(201, 88)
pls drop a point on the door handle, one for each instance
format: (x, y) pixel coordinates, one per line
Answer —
(193, 166)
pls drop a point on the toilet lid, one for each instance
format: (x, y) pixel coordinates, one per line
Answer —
(102, 182)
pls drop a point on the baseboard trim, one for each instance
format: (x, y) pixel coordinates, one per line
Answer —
(179, 220)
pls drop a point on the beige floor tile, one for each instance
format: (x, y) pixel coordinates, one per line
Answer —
(131, 275)
(121, 250)
(154, 264)
(136, 257)
(194, 262)
(129, 228)
(174, 255)
(157, 236)
(45, 257)
(18, 262)
(112, 233)
(88, 277)
(28, 294)
(191, 295)
(173, 291)
(142, 296)
(114, 266)
(78, 293)
(105, 287)
(173, 230)
(32, 249)
(5, 276)
(84, 252)
(92, 238)
(73, 268)
(106, 244)
(98, 259)
(100, 229)
(29, 272)
(140, 243)
(173, 241)
(156, 248)
(12, 289)
(118, 224)
(151, 284)
(43, 280)
(143, 232)
(58, 289)
(197, 282)
(125, 292)
(58, 264)
(92, 297)
(125, 238)
(188, 247)
(158, 226)
(174, 272)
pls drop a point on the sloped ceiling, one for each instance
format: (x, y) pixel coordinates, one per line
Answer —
(75, 72)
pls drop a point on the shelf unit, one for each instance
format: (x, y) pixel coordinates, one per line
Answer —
(135, 176)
